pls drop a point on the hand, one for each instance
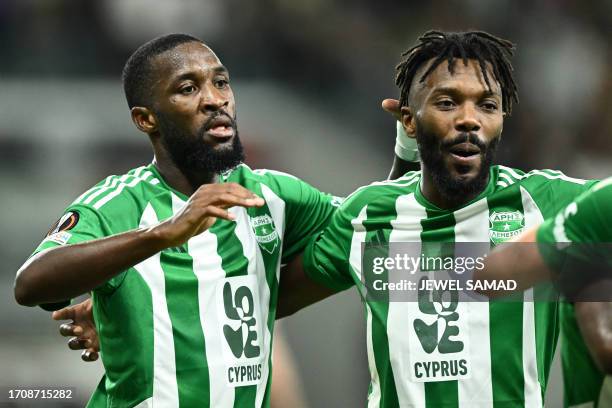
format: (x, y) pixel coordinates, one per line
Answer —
(82, 329)
(392, 106)
(208, 203)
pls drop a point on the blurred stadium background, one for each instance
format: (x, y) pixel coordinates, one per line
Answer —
(308, 77)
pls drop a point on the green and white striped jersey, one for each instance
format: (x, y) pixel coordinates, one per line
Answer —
(192, 325)
(506, 347)
(584, 220)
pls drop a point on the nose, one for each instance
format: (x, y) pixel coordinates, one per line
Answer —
(467, 119)
(213, 100)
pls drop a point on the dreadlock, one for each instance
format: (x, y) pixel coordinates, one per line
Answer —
(441, 46)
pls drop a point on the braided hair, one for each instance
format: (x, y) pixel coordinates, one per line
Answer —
(478, 45)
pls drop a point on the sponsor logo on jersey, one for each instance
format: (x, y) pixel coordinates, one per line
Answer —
(505, 225)
(67, 222)
(61, 237)
(439, 337)
(265, 232)
(241, 328)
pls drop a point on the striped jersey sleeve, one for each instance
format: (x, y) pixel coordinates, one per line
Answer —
(550, 189)
(583, 221)
(307, 210)
(328, 258)
(325, 257)
(108, 208)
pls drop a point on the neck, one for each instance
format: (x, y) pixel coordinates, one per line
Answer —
(434, 195)
(185, 182)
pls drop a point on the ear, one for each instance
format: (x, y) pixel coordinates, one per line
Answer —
(144, 119)
(408, 121)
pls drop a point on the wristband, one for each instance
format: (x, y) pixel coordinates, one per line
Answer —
(405, 146)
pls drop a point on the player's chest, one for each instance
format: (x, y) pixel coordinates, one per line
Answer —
(482, 221)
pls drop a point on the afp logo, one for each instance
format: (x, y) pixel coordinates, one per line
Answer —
(505, 225)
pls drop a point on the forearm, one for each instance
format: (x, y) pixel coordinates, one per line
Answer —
(595, 322)
(297, 290)
(67, 271)
(502, 264)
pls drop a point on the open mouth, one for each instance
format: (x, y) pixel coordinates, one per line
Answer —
(465, 150)
(221, 127)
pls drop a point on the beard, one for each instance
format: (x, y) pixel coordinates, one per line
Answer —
(432, 151)
(193, 155)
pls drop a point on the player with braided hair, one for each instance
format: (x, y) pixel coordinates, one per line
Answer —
(435, 350)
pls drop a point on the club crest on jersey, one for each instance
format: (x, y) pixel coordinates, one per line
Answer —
(505, 225)
(265, 232)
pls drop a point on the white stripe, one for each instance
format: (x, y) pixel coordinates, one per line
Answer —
(557, 175)
(120, 188)
(115, 181)
(359, 235)
(506, 177)
(277, 210)
(207, 268)
(165, 388)
(262, 172)
(472, 225)
(107, 181)
(512, 172)
(400, 182)
(602, 184)
(374, 397)
(256, 267)
(406, 228)
(533, 396)
(502, 184)
(355, 257)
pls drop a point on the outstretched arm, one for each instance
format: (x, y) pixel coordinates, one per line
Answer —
(67, 271)
(501, 264)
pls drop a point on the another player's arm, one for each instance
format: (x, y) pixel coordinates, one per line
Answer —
(296, 290)
(503, 264)
(67, 271)
(322, 269)
(595, 322)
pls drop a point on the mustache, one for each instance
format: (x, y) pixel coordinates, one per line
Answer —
(464, 137)
(216, 115)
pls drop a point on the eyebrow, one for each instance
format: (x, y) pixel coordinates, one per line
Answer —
(453, 91)
(219, 69)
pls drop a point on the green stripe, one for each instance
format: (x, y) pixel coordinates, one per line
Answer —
(126, 382)
(506, 325)
(270, 263)
(182, 299)
(379, 234)
(437, 237)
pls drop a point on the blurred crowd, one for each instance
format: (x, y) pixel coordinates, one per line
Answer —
(346, 51)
